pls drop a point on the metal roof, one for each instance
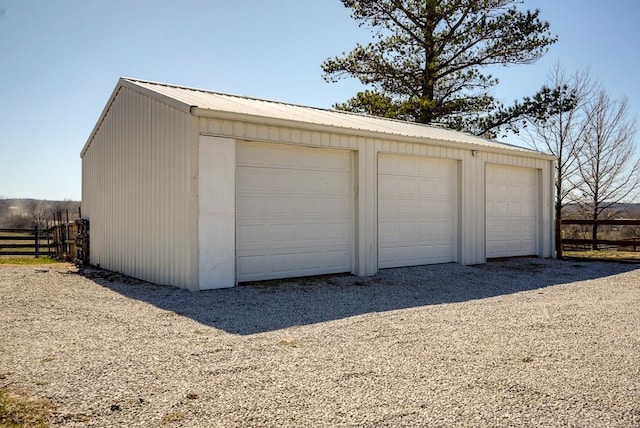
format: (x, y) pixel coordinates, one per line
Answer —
(207, 103)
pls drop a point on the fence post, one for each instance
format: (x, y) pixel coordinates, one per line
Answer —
(49, 236)
(37, 242)
(559, 238)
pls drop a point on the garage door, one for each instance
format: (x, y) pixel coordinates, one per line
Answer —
(512, 207)
(417, 210)
(294, 211)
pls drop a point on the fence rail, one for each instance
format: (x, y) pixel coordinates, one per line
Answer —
(26, 242)
(561, 241)
(615, 222)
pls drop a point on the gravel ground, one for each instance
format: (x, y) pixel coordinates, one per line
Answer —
(524, 342)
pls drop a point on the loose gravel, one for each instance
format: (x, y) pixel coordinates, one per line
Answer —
(523, 342)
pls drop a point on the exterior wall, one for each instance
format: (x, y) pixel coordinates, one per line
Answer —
(139, 190)
(471, 188)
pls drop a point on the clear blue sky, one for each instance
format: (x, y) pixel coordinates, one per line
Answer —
(60, 61)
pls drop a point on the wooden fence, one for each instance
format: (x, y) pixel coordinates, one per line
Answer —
(65, 241)
(632, 243)
(34, 242)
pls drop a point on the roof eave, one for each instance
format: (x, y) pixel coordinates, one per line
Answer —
(292, 123)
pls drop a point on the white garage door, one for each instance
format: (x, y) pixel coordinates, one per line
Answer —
(512, 207)
(294, 211)
(417, 210)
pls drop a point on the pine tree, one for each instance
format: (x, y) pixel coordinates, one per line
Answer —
(427, 60)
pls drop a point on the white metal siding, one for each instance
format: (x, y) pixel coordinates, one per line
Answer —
(512, 211)
(417, 210)
(294, 211)
(138, 191)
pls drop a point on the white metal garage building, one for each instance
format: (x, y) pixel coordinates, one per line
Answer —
(203, 190)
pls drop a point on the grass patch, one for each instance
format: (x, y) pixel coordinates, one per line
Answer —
(20, 411)
(291, 343)
(604, 255)
(172, 417)
(27, 260)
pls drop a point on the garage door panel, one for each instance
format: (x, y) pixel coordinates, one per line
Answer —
(511, 211)
(417, 210)
(293, 181)
(283, 157)
(290, 264)
(294, 211)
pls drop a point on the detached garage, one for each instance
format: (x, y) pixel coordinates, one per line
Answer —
(203, 190)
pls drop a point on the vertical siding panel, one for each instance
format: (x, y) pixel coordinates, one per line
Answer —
(109, 186)
(139, 194)
(174, 171)
(136, 190)
(118, 194)
(146, 209)
(346, 142)
(239, 129)
(157, 130)
(177, 143)
(429, 151)
(131, 218)
(164, 192)
(159, 191)
(122, 211)
(166, 173)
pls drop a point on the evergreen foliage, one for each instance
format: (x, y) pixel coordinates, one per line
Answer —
(427, 60)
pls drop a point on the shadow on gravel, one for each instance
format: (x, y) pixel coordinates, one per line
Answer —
(271, 305)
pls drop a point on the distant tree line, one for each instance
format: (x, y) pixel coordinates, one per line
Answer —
(27, 213)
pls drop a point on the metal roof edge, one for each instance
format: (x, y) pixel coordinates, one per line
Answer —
(130, 83)
(292, 123)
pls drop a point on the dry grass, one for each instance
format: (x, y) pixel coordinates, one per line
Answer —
(18, 410)
(614, 255)
(27, 260)
(173, 417)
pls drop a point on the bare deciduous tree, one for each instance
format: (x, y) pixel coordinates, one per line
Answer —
(39, 214)
(562, 134)
(608, 167)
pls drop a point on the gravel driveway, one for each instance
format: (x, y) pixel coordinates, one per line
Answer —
(524, 342)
